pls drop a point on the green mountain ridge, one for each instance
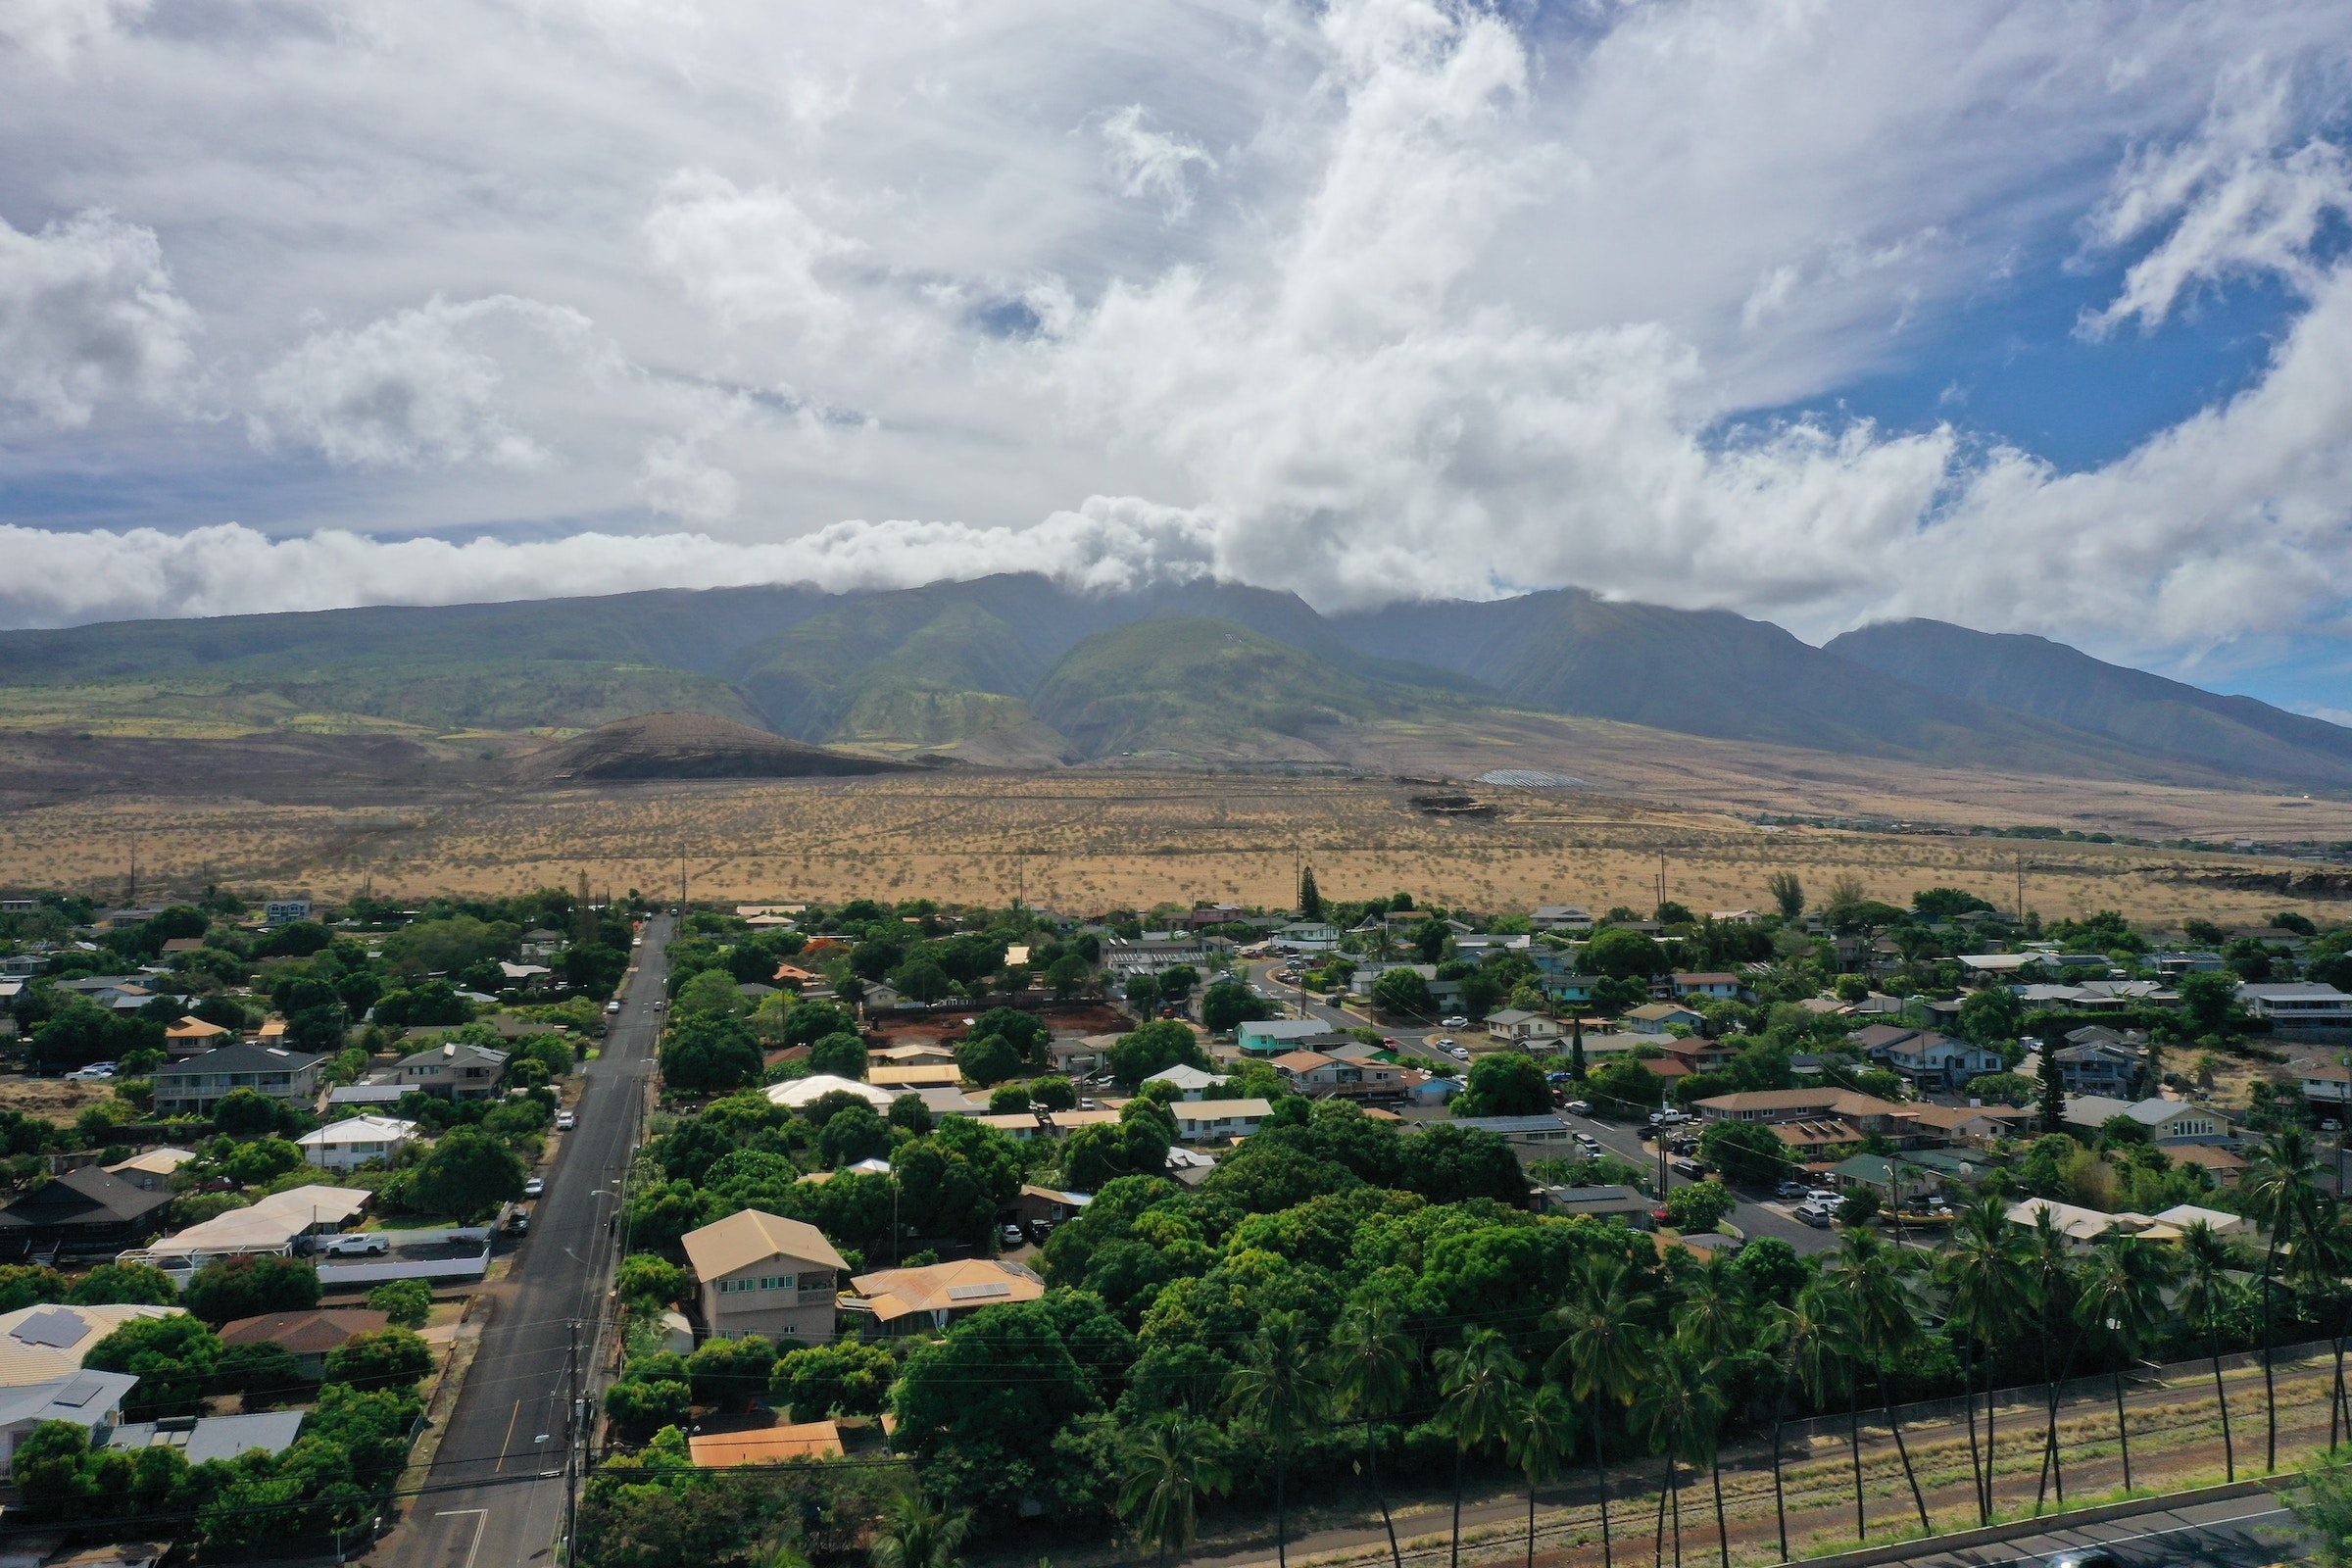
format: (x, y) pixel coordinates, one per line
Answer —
(1019, 670)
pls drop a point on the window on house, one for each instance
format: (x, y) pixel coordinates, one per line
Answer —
(736, 1286)
(775, 1282)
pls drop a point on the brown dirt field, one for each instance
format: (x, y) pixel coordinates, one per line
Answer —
(49, 1098)
(1084, 840)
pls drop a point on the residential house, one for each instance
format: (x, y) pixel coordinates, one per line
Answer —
(2080, 1226)
(83, 1213)
(1308, 1071)
(1190, 1082)
(799, 1094)
(2168, 1121)
(200, 1438)
(1309, 936)
(2308, 1009)
(278, 1225)
(917, 1055)
(760, 1273)
(2224, 1165)
(1446, 994)
(1625, 1204)
(780, 1443)
(372, 1097)
(1656, 1017)
(1974, 1125)
(1569, 917)
(285, 911)
(1075, 1055)
(1923, 1057)
(2326, 1084)
(192, 1088)
(1271, 1037)
(1705, 987)
(1812, 1141)
(2099, 1065)
(151, 1172)
(880, 996)
(1474, 948)
(1154, 951)
(1868, 1113)
(1529, 1031)
(307, 1335)
(2173, 966)
(356, 1141)
(905, 1300)
(1542, 1132)
(1889, 1178)
(44, 1343)
(452, 1071)
(1198, 1121)
(932, 1076)
(91, 1401)
(192, 1037)
(1018, 1125)
(1048, 1207)
(1697, 1053)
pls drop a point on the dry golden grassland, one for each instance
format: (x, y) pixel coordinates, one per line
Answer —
(1087, 841)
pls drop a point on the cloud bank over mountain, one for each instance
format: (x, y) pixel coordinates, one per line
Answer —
(1371, 299)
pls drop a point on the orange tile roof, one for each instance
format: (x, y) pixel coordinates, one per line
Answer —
(724, 1450)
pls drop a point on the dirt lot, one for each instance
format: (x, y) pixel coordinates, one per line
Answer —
(1084, 841)
(50, 1098)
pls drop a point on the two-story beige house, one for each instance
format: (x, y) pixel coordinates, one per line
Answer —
(760, 1273)
(192, 1088)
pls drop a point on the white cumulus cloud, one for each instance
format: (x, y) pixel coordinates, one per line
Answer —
(88, 311)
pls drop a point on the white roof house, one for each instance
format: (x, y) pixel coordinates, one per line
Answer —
(1186, 1077)
(2168, 1121)
(46, 1342)
(355, 1141)
(90, 1399)
(2290, 1005)
(799, 1094)
(1218, 1119)
(270, 1226)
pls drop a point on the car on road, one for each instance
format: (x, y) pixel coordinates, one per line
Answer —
(1795, 1190)
(1459, 1053)
(636, 941)
(534, 1187)
(566, 1122)
(1578, 1107)
(1012, 1234)
(613, 1006)
(1668, 1118)
(1588, 1142)
(361, 1244)
(1690, 1168)
(661, 1002)
(1444, 1042)
(1457, 1021)
(2085, 1557)
(1814, 1216)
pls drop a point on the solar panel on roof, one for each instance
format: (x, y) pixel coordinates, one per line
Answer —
(79, 1392)
(59, 1330)
(975, 1293)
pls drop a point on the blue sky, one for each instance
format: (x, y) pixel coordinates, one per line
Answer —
(2031, 317)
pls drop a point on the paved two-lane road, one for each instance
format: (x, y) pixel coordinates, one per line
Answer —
(495, 1496)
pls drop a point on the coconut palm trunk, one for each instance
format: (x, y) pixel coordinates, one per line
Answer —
(1780, 1498)
(2221, 1396)
(1853, 1439)
(2123, 1429)
(1968, 1399)
(1600, 1479)
(2053, 1465)
(1380, 1494)
(1723, 1531)
(1903, 1450)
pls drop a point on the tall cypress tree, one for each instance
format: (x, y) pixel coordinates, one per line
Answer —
(1310, 901)
(2052, 1103)
(1576, 1044)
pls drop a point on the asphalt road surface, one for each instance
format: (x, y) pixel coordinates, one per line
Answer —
(1413, 1043)
(495, 1496)
(2238, 1532)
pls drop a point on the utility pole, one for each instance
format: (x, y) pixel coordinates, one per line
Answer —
(575, 1437)
(681, 880)
(2021, 890)
(1661, 898)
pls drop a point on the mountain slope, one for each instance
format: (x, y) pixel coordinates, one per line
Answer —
(2033, 675)
(685, 746)
(1203, 688)
(1712, 672)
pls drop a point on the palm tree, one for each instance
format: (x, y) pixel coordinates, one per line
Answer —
(1476, 1380)
(2281, 1194)
(2123, 1298)
(1801, 1341)
(915, 1535)
(1539, 1431)
(2321, 1259)
(1601, 1358)
(2050, 1273)
(1881, 1278)
(1678, 1408)
(1712, 1312)
(1276, 1392)
(1987, 1301)
(1822, 1357)
(1370, 1369)
(1170, 1464)
(2208, 1259)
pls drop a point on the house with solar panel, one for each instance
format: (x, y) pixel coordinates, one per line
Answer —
(921, 1301)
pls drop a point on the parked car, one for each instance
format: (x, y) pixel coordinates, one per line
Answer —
(1690, 1168)
(1817, 1218)
(97, 1072)
(361, 1245)
(1578, 1107)
(1459, 1053)
(534, 1187)
(613, 1006)
(1457, 1021)
(566, 1122)
(1795, 1190)
(519, 1223)
(1011, 1236)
